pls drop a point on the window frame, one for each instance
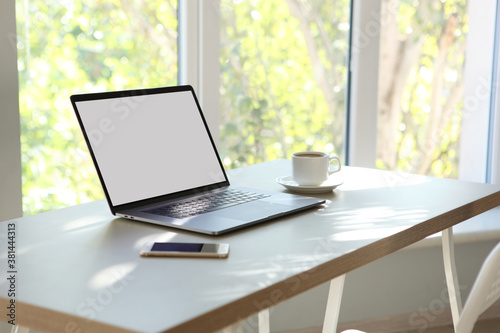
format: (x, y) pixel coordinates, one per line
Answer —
(363, 81)
(199, 24)
(361, 132)
(493, 173)
(199, 40)
(478, 108)
(480, 157)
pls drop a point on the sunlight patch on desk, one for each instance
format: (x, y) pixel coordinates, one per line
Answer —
(109, 276)
(370, 215)
(376, 179)
(83, 222)
(363, 234)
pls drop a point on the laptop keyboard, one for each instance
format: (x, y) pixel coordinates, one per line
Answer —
(206, 203)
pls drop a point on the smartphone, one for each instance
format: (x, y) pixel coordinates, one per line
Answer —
(205, 250)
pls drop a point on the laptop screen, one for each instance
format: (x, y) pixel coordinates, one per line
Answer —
(149, 144)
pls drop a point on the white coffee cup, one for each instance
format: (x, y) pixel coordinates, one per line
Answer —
(311, 168)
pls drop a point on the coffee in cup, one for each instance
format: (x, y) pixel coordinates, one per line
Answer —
(311, 168)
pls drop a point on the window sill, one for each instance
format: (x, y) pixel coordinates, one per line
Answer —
(482, 228)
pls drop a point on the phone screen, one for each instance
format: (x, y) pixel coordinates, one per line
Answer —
(176, 247)
(172, 249)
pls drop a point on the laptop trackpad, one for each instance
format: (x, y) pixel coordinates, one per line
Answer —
(253, 210)
(235, 217)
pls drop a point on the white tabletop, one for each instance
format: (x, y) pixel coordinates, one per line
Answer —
(79, 267)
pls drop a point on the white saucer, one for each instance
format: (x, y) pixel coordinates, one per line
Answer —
(327, 186)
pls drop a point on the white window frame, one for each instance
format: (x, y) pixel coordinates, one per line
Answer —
(363, 81)
(494, 120)
(199, 43)
(477, 106)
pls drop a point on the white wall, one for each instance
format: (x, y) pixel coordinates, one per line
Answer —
(10, 156)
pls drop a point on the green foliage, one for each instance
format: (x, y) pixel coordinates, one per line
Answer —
(416, 137)
(272, 103)
(73, 47)
(283, 81)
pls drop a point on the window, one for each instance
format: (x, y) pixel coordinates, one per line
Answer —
(421, 86)
(272, 77)
(432, 112)
(283, 72)
(68, 47)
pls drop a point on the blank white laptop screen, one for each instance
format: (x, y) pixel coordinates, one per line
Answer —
(150, 145)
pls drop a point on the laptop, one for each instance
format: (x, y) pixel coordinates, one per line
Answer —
(157, 163)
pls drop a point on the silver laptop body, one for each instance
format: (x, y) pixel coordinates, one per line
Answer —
(153, 151)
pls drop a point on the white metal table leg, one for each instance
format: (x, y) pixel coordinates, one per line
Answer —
(264, 326)
(234, 328)
(19, 329)
(239, 327)
(333, 305)
(450, 271)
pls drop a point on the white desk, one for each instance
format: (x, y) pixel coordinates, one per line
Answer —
(79, 268)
